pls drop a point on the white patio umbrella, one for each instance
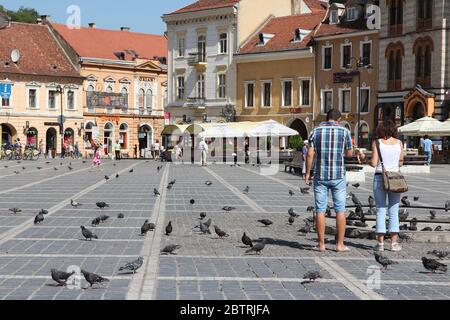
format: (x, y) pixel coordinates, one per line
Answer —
(271, 128)
(443, 130)
(421, 127)
(223, 130)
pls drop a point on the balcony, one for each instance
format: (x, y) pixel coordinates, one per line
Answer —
(197, 60)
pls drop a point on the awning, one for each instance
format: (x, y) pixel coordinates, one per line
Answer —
(271, 128)
(421, 127)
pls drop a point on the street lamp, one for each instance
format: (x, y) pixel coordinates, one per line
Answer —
(359, 66)
(60, 90)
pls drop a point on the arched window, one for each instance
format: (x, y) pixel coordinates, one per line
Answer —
(424, 14)
(149, 100)
(88, 140)
(423, 48)
(395, 53)
(141, 99)
(395, 17)
(123, 136)
(124, 92)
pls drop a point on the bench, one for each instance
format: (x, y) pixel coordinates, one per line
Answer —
(416, 161)
(296, 163)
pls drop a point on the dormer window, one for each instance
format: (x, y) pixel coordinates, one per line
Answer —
(334, 17)
(263, 38)
(352, 14)
(300, 34)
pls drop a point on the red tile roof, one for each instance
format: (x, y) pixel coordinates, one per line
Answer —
(39, 51)
(327, 29)
(103, 44)
(316, 5)
(283, 29)
(207, 4)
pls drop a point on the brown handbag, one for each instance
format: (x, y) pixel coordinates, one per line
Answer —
(393, 182)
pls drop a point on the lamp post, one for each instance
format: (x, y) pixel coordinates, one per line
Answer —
(360, 65)
(60, 90)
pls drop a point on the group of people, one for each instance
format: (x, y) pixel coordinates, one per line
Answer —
(329, 144)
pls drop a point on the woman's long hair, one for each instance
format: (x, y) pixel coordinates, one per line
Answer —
(386, 129)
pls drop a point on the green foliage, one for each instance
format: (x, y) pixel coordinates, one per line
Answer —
(27, 15)
(296, 143)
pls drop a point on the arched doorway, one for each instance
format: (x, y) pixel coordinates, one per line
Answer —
(299, 126)
(8, 134)
(123, 136)
(418, 111)
(32, 137)
(108, 140)
(145, 137)
(50, 141)
(69, 137)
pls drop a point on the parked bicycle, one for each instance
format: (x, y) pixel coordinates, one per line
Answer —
(31, 153)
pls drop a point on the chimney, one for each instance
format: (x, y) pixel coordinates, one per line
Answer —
(124, 28)
(39, 21)
(92, 25)
(44, 18)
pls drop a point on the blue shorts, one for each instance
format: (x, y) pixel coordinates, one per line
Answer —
(338, 191)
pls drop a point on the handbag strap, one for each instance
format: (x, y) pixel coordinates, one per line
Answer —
(379, 155)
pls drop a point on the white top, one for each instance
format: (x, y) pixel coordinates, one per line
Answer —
(391, 157)
(203, 146)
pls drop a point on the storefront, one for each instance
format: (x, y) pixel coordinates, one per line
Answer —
(145, 138)
(108, 141)
(51, 141)
(123, 136)
(32, 137)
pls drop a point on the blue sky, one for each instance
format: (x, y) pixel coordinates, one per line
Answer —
(140, 15)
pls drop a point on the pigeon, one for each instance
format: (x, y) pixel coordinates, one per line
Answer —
(416, 198)
(356, 185)
(95, 222)
(258, 248)
(305, 191)
(385, 262)
(43, 211)
(131, 171)
(156, 192)
(106, 178)
(117, 176)
(433, 214)
(438, 229)
(88, 234)
(406, 202)
(208, 183)
(433, 265)
(228, 209)
(306, 228)
(355, 199)
(403, 215)
(292, 213)
(247, 241)
(102, 205)
(75, 204)
(266, 222)
(202, 215)
(439, 254)
(39, 219)
(84, 161)
(204, 229)
(427, 229)
(39, 168)
(310, 209)
(70, 168)
(246, 190)
(192, 202)
(372, 202)
(404, 237)
(222, 234)
(93, 278)
(312, 276)
(158, 169)
(15, 210)
(402, 227)
(120, 216)
(169, 228)
(55, 168)
(104, 218)
(170, 249)
(146, 227)
(413, 225)
(291, 193)
(133, 266)
(169, 187)
(16, 172)
(61, 277)
(291, 220)
(23, 168)
(328, 211)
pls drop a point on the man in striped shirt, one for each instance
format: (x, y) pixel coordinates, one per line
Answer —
(329, 144)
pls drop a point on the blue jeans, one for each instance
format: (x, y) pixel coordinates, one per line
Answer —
(429, 155)
(393, 204)
(338, 191)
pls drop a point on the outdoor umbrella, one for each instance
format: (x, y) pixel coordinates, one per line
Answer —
(271, 128)
(442, 131)
(421, 127)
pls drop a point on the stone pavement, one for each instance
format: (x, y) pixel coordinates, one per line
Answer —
(205, 267)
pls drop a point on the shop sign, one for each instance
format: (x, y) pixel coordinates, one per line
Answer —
(5, 90)
(166, 118)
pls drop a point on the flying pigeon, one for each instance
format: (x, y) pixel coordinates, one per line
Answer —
(385, 262)
(61, 277)
(439, 254)
(15, 210)
(312, 276)
(258, 248)
(247, 241)
(75, 204)
(88, 234)
(266, 222)
(93, 278)
(222, 234)
(170, 249)
(433, 265)
(156, 192)
(102, 205)
(39, 219)
(133, 266)
(169, 228)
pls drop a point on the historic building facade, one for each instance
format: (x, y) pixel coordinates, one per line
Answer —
(125, 87)
(414, 58)
(38, 83)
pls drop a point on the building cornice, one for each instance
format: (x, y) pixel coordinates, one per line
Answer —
(275, 55)
(207, 13)
(347, 35)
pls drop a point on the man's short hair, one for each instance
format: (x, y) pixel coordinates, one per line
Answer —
(334, 115)
(426, 137)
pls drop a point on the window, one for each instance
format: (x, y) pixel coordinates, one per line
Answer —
(90, 88)
(180, 87)
(305, 92)
(327, 101)
(366, 53)
(141, 99)
(51, 99)
(424, 14)
(395, 53)
(250, 94)
(149, 99)
(266, 92)
(5, 101)
(223, 43)
(334, 17)
(124, 92)
(222, 87)
(396, 17)
(365, 102)
(423, 50)
(287, 93)
(346, 55)
(327, 56)
(345, 102)
(70, 100)
(201, 86)
(201, 46)
(352, 14)
(181, 47)
(109, 89)
(123, 136)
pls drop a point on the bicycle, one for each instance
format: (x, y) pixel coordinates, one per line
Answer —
(31, 153)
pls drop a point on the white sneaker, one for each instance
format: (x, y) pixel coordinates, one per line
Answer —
(379, 247)
(396, 247)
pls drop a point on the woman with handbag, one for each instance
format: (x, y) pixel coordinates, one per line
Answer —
(388, 183)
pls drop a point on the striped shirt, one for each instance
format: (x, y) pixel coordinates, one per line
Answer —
(330, 141)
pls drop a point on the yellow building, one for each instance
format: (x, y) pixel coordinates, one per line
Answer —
(275, 72)
(39, 84)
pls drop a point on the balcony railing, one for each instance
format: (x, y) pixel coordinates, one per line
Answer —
(197, 58)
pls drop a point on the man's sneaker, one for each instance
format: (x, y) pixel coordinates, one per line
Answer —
(379, 247)
(396, 247)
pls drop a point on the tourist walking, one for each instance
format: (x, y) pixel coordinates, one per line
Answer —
(391, 150)
(427, 146)
(117, 150)
(97, 158)
(42, 148)
(329, 143)
(203, 147)
(157, 150)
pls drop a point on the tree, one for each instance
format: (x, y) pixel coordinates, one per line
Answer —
(296, 143)
(26, 15)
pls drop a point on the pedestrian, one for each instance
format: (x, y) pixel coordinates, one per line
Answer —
(157, 150)
(391, 150)
(247, 151)
(203, 147)
(176, 153)
(71, 151)
(77, 150)
(305, 155)
(117, 150)
(41, 147)
(97, 158)
(328, 145)
(427, 146)
(135, 151)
